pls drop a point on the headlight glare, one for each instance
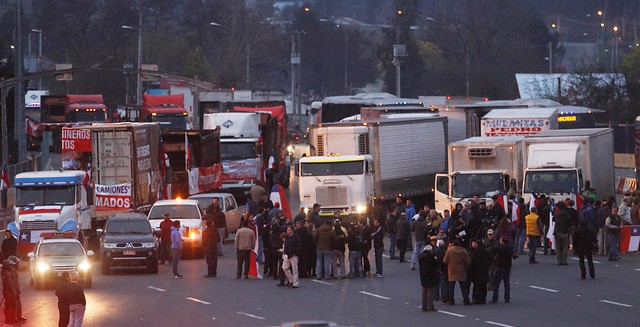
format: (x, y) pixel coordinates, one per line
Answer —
(84, 266)
(42, 267)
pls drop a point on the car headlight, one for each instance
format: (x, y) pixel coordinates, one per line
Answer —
(361, 209)
(290, 148)
(42, 267)
(109, 245)
(84, 266)
(149, 245)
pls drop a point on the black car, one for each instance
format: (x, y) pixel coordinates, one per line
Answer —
(128, 241)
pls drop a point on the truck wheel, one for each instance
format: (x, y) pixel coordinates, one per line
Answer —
(105, 268)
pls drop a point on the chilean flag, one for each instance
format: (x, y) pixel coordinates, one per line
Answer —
(278, 195)
(534, 200)
(515, 212)
(87, 177)
(579, 201)
(629, 238)
(504, 202)
(4, 177)
(552, 224)
(254, 266)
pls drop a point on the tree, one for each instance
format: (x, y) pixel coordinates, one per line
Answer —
(197, 65)
(631, 69)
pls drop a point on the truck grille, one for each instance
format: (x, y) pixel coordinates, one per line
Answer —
(482, 152)
(38, 224)
(363, 144)
(320, 145)
(332, 196)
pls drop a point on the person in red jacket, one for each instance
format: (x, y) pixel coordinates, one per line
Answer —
(165, 239)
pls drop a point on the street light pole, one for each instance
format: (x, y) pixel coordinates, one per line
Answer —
(39, 61)
(19, 116)
(139, 80)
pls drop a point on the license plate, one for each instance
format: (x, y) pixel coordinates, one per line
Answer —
(129, 252)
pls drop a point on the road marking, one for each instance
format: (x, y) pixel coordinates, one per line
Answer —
(497, 323)
(156, 288)
(375, 295)
(196, 300)
(452, 314)
(576, 259)
(251, 316)
(544, 289)
(386, 256)
(321, 282)
(617, 303)
(637, 269)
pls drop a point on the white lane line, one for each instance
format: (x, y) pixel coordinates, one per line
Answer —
(375, 295)
(196, 300)
(544, 289)
(157, 288)
(452, 314)
(386, 256)
(637, 269)
(497, 323)
(617, 303)
(576, 259)
(251, 316)
(321, 282)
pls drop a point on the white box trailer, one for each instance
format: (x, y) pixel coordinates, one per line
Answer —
(407, 153)
(559, 163)
(518, 121)
(480, 166)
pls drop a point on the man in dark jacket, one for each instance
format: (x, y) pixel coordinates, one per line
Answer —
(502, 256)
(325, 238)
(354, 241)
(275, 242)
(165, 239)
(378, 245)
(210, 240)
(366, 246)
(304, 258)
(11, 291)
(220, 224)
(314, 216)
(63, 303)
(77, 300)
(391, 231)
(583, 240)
(428, 265)
(479, 271)
(419, 227)
(403, 230)
(562, 229)
(292, 248)
(9, 245)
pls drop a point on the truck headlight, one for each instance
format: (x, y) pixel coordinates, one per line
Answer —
(290, 148)
(42, 267)
(109, 245)
(361, 209)
(149, 245)
(84, 266)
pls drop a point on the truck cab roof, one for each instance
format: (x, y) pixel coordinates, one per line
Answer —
(50, 178)
(336, 158)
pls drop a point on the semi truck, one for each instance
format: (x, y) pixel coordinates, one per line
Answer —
(50, 201)
(168, 110)
(401, 155)
(88, 108)
(563, 163)
(481, 166)
(518, 121)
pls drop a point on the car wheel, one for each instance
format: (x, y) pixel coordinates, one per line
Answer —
(105, 268)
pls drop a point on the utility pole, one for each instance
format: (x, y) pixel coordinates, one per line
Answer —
(295, 66)
(19, 115)
(139, 78)
(550, 57)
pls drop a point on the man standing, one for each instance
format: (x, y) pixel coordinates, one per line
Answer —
(176, 247)
(503, 255)
(391, 231)
(325, 238)
(612, 225)
(378, 245)
(165, 239)
(458, 263)
(63, 303)
(479, 271)
(354, 240)
(338, 266)
(583, 240)
(292, 247)
(403, 230)
(300, 216)
(534, 227)
(563, 225)
(366, 246)
(77, 301)
(314, 216)
(220, 224)
(210, 240)
(245, 241)
(9, 245)
(11, 291)
(418, 227)
(428, 277)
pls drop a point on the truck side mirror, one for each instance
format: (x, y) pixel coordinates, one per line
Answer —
(514, 185)
(89, 195)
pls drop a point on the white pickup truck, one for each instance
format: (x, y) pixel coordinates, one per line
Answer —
(228, 205)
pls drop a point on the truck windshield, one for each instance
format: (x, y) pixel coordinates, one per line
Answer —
(236, 151)
(551, 181)
(171, 122)
(332, 168)
(90, 116)
(469, 185)
(175, 211)
(135, 226)
(52, 195)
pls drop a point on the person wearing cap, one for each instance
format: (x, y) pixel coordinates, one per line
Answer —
(11, 291)
(63, 303)
(428, 264)
(314, 216)
(403, 230)
(164, 252)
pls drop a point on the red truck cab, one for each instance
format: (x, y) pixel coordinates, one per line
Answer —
(168, 110)
(85, 108)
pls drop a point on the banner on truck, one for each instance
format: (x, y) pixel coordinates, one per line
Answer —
(113, 197)
(506, 127)
(76, 140)
(205, 179)
(240, 169)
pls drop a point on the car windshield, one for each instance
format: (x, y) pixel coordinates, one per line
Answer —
(551, 181)
(135, 226)
(176, 211)
(51, 195)
(236, 150)
(70, 249)
(332, 168)
(469, 185)
(204, 202)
